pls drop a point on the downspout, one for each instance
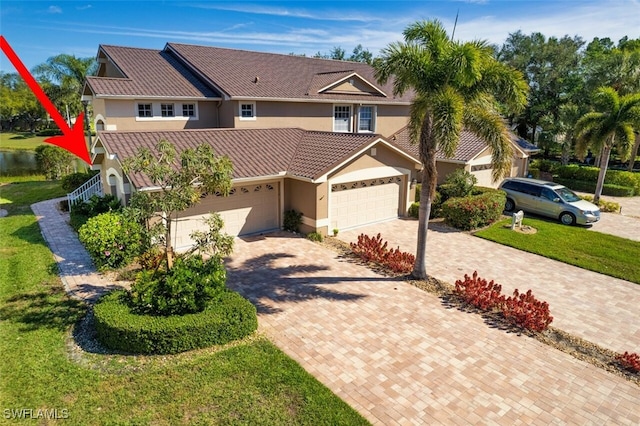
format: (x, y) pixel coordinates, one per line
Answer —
(218, 113)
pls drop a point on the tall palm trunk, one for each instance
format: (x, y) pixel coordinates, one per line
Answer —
(427, 191)
(606, 152)
(634, 152)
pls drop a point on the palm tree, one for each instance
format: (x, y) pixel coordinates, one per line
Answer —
(610, 125)
(62, 77)
(455, 85)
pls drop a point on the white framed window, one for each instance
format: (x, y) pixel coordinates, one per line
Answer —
(167, 110)
(366, 119)
(188, 110)
(342, 118)
(144, 110)
(247, 111)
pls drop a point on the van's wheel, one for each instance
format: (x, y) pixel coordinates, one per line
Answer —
(509, 205)
(567, 218)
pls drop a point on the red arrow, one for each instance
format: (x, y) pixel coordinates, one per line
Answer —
(73, 139)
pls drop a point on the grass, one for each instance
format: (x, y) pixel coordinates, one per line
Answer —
(20, 141)
(249, 382)
(595, 251)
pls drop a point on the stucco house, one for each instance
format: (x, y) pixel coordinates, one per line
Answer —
(315, 135)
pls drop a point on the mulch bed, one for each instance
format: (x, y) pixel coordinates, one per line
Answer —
(575, 346)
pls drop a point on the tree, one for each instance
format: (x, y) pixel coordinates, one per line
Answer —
(18, 104)
(62, 77)
(552, 69)
(611, 125)
(455, 84)
(182, 181)
(361, 54)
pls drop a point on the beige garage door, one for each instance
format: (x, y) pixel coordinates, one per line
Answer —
(247, 209)
(359, 203)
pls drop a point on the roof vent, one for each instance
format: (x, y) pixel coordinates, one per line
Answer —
(255, 80)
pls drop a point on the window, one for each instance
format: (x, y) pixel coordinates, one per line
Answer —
(366, 119)
(188, 110)
(342, 118)
(248, 111)
(144, 110)
(166, 110)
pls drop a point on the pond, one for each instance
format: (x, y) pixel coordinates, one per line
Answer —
(23, 163)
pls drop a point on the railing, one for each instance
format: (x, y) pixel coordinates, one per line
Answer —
(91, 187)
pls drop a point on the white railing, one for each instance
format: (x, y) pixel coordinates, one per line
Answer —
(91, 187)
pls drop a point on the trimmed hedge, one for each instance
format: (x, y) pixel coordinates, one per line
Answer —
(436, 207)
(230, 317)
(607, 188)
(590, 174)
(474, 211)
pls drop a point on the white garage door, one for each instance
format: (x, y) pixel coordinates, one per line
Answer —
(247, 209)
(484, 178)
(359, 203)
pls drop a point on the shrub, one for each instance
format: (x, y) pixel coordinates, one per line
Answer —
(436, 207)
(111, 239)
(75, 180)
(315, 236)
(81, 211)
(49, 132)
(418, 189)
(474, 211)
(525, 311)
(621, 178)
(479, 293)
(188, 287)
(460, 183)
(607, 188)
(374, 249)
(414, 210)
(292, 221)
(229, 317)
(630, 361)
(605, 206)
(53, 162)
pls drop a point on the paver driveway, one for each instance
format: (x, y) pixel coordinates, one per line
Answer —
(397, 355)
(597, 307)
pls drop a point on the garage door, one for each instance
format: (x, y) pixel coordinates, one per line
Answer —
(247, 209)
(359, 203)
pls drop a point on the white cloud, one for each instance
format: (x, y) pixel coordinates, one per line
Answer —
(54, 9)
(88, 6)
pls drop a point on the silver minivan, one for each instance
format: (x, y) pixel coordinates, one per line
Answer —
(548, 199)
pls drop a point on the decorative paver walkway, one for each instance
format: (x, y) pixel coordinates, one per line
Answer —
(398, 356)
(75, 267)
(596, 307)
(393, 352)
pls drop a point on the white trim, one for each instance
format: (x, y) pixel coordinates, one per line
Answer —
(324, 177)
(364, 80)
(99, 117)
(370, 173)
(253, 110)
(154, 98)
(371, 101)
(119, 183)
(374, 118)
(333, 118)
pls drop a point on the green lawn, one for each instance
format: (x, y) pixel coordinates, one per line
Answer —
(250, 382)
(604, 253)
(25, 141)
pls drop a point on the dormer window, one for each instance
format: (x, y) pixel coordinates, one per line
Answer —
(166, 110)
(248, 111)
(144, 110)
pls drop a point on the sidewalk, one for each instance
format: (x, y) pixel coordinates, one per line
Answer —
(76, 270)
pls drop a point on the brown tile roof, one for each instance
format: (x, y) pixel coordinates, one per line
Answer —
(254, 152)
(278, 76)
(469, 146)
(149, 73)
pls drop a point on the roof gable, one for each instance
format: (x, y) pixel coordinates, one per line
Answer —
(350, 84)
(133, 72)
(293, 152)
(242, 74)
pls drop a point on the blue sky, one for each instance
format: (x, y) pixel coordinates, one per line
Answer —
(37, 30)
